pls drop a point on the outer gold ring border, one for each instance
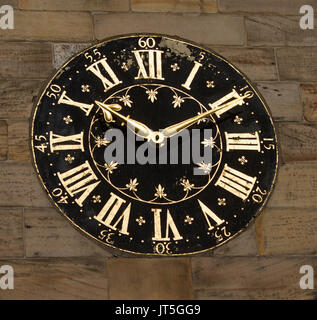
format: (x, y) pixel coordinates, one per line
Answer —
(172, 38)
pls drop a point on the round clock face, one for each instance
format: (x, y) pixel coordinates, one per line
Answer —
(154, 145)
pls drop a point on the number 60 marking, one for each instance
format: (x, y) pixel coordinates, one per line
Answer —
(149, 42)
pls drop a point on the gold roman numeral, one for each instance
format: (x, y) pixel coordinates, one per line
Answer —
(82, 106)
(100, 67)
(153, 60)
(242, 141)
(79, 180)
(236, 182)
(108, 213)
(192, 75)
(72, 142)
(170, 225)
(210, 215)
(233, 98)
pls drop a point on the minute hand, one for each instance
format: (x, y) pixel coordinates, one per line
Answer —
(176, 128)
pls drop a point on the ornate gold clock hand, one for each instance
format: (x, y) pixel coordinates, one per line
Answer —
(136, 127)
(176, 128)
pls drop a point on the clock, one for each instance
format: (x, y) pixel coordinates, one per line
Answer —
(151, 144)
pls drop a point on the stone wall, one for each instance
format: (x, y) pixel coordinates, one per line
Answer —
(261, 37)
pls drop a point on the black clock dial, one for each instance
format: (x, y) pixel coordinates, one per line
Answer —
(154, 145)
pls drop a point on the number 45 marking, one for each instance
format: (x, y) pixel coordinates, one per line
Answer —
(42, 147)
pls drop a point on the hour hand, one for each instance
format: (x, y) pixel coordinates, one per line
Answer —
(136, 127)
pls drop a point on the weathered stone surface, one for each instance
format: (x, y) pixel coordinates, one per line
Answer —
(309, 99)
(12, 3)
(296, 186)
(11, 233)
(75, 5)
(17, 98)
(287, 232)
(48, 234)
(207, 6)
(243, 245)
(283, 100)
(50, 279)
(257, 64)
(3, 140)
(149, 279)
(25, 60)
(19, 141)
(20, 187)
(298, 141)
(63, 51)
(216, 29)
(250, 278)
(278, 7)
(50, 26)
(297, 63)
(278, 31)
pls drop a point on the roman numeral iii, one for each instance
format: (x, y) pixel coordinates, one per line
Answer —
(236, 182)
(242, 141)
